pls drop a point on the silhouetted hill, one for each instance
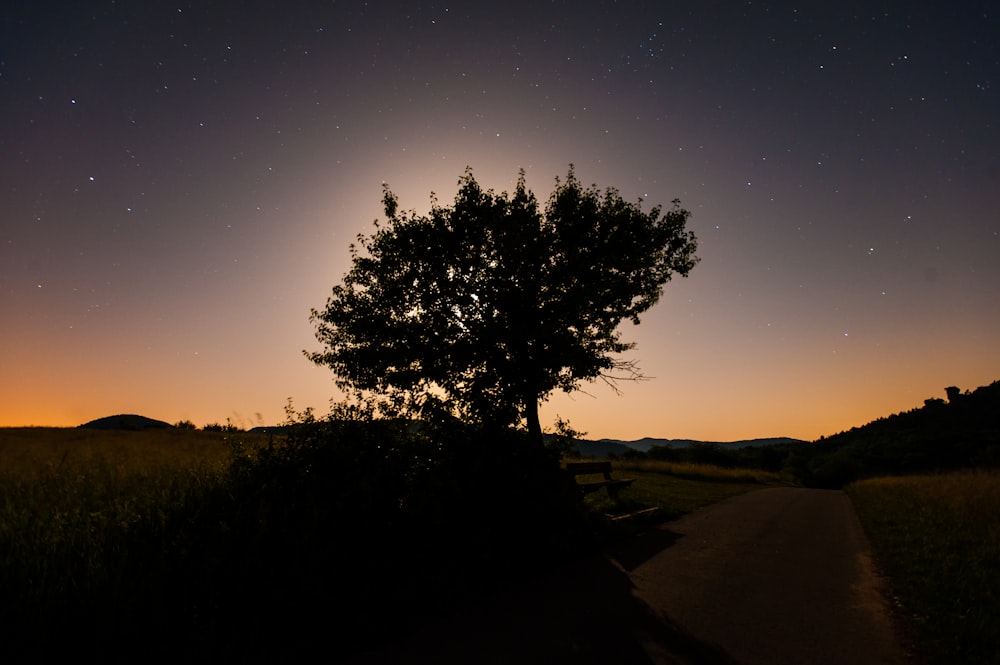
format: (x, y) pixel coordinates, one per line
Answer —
(127, 422)
(601, 448)
(619, 448)
(962, 432)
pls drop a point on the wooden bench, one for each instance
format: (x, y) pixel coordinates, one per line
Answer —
(612, 485)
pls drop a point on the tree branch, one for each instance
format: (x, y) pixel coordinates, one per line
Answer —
(623, 370)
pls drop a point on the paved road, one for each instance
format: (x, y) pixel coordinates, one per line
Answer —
(775, 576)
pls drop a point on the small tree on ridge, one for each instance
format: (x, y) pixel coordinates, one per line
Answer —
(486, 307)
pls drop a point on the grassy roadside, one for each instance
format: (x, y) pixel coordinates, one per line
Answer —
(937, 539)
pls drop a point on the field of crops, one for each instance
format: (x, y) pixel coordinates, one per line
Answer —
(30, 451)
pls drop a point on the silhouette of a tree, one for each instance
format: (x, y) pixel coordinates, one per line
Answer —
(486, 307)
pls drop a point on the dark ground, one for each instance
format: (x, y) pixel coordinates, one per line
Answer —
(780, 575)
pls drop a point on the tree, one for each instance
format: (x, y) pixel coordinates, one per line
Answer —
(486, 307)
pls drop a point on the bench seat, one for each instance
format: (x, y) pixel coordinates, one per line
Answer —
(612, 485)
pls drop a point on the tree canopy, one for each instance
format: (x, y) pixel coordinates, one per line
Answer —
(486, 307)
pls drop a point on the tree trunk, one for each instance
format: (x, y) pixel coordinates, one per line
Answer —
(534, 425)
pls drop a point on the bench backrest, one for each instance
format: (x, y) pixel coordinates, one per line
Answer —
(584, 468)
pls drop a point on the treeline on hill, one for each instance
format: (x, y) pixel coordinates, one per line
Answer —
(315, 542)
(765, 457)
(962, 432)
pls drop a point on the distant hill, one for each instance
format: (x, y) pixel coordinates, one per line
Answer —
(602, 447)
(126, 422)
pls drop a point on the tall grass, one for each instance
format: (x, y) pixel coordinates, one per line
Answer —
(937, 538)
(92, 528)
(27, 451)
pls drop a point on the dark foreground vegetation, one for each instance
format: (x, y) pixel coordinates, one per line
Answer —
(326, 539)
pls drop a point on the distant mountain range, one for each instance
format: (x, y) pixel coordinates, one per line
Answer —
(602, 447)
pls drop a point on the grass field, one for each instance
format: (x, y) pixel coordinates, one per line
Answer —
(937, 539)
(88, 519)
(677, 488)
(26, 452)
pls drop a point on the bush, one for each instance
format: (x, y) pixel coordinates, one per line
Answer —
(386, 514)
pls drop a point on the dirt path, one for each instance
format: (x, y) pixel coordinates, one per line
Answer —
(775, 576)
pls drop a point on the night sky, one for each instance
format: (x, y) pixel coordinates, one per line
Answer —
(180, 183)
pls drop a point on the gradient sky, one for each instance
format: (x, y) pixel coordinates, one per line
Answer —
(181, 180)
